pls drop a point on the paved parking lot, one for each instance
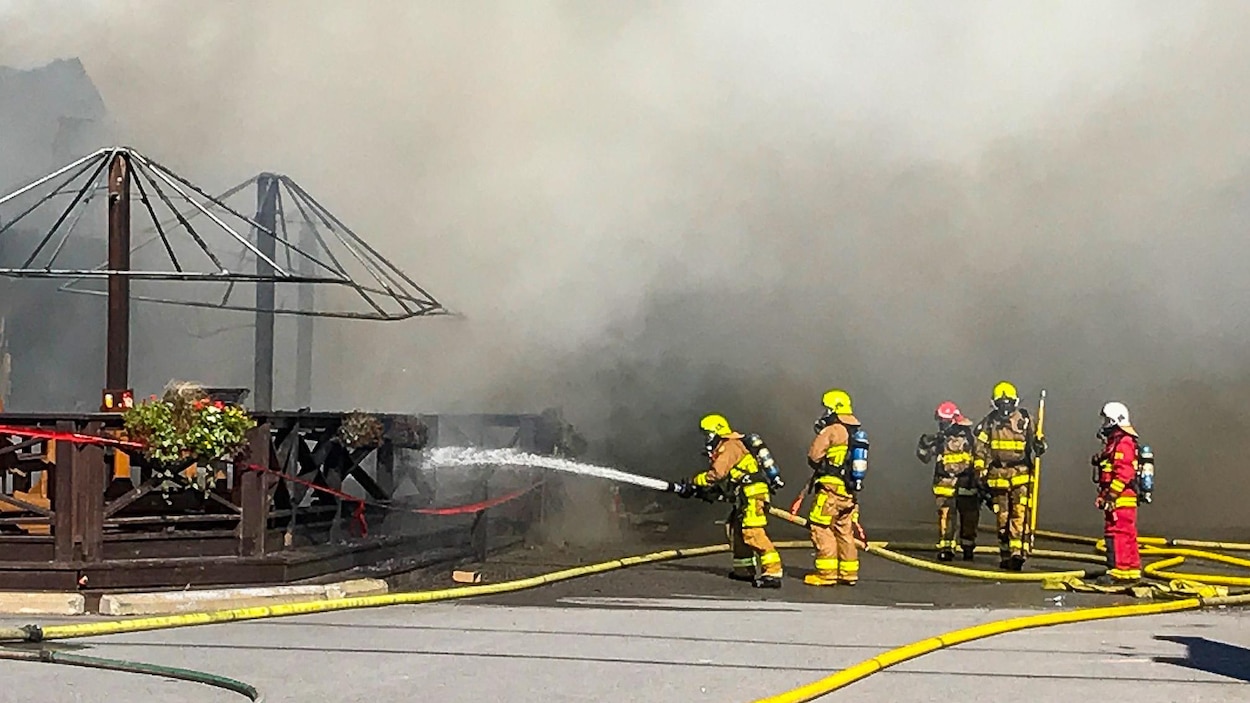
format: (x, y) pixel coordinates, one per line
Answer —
(676, 632)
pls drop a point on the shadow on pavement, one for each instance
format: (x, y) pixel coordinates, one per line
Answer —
(1210, 656)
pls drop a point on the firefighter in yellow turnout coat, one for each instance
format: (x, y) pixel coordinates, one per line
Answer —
(736, 474)
(1005, 446)
(834, 510)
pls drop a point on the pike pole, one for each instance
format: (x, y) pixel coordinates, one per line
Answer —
(1036, 479)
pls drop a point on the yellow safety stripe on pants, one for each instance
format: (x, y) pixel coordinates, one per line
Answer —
(817, 515)
(1117, 486)
(770, 558)
(1021, 480)
(826, 563)
(1026, 500)
(998, 483)
(848, 567)
(1011, 445)
(1126, 502)
(946, 544)
(753, 515)
(944, 491)
(978, 464)
(753, 490)
(837, 484)
(744, 562)
(957, 458)
(968, 492)
(1015, 544)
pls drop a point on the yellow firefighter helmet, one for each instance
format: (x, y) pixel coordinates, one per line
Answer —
(1005, 390)
(837, 401)
(715, 424)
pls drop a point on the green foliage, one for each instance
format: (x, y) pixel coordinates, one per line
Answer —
(186, 425)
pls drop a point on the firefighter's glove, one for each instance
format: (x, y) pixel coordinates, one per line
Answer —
(857, 486)
(776, 484)
(685, 489)
(1039, 445)
(1095, 460)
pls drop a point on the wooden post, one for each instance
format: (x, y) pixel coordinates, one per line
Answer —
(386, 468)
(62, 499)
(87, 496)
(254, 492)
(117, 375)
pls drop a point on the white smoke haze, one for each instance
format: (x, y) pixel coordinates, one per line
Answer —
(648, 211)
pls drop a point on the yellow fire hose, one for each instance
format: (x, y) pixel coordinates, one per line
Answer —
(1151, 541)
(35, 633)
(907, 652)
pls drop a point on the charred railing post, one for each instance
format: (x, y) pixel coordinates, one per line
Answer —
(267, 243)
(62, 497)
(117, 373)
(89, 482)
(254, 492)
(386, 468)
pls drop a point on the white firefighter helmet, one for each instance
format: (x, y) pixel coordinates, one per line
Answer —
(1114, 413)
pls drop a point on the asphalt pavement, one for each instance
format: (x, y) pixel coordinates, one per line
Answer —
(677, 631)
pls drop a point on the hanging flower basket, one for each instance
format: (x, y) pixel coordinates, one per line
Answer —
(185, 427)
(360, 429)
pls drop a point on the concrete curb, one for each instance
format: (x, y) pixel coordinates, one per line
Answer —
(174, 602)
(37, 603)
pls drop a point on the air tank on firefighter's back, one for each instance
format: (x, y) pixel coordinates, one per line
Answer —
(1145, 473)
(859, 458)
(768, 465)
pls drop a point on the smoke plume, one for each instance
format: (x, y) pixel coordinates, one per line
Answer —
(649, 211)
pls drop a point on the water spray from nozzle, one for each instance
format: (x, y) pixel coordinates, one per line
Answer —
(471, 456)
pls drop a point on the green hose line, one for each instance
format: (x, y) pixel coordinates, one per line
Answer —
(48, 656)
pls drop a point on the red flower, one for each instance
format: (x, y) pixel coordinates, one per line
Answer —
(219, 405)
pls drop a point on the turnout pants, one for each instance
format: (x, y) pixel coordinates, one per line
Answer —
(752, 549)
(956, 498)
(832, 522)
(1120, 529)
(1009, 487)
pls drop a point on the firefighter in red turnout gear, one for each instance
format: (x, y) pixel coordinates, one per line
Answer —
(1115, 472)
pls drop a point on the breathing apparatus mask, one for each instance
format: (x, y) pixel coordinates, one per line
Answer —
(710, 443)
(824, 421)
(1005, 406)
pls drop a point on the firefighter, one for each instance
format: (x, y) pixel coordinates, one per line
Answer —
(735, 474)
(834, 456)
(1005, 446)
(955, 484)
(1115, 472)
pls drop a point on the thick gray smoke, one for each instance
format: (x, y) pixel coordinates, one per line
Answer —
(654, 210)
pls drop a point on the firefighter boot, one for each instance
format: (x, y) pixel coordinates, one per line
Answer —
(767, 582)
(969, 552)
(946, 555)
(736, 576)
(818, 580)
(1015, 563)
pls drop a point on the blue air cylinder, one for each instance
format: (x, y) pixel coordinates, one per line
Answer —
(1145, 473)
(768, 465)
(859, 458)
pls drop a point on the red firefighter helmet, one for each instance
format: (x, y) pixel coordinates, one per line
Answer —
(946, 411)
